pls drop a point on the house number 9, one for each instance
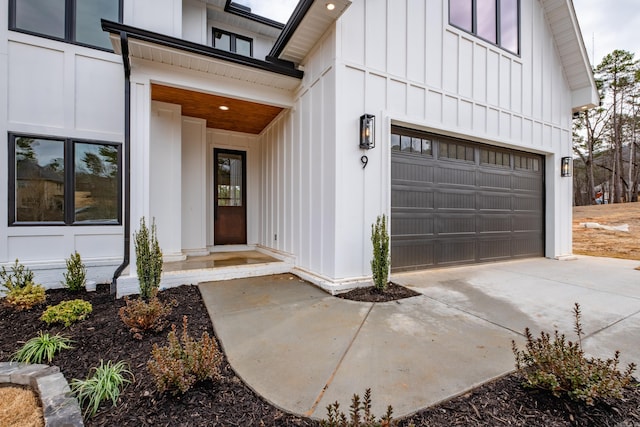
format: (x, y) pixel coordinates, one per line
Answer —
(364, 160)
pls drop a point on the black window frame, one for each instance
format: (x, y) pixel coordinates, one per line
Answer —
(69, 24)
(232, 41)
(69, 182)
(474, 25)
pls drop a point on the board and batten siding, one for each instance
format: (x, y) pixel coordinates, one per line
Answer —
(298, 185)
(403, 62)
(50, 90)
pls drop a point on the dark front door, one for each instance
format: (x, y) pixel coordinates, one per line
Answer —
(230, 197)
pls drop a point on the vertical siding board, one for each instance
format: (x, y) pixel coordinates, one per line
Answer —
(376, 34)
(328, 147)
(416, 102)
(516, 87)
(416, 36)
(505, 82)
(450, 62)
(493, 78)
(397, 98)
(479, 74)
(465, 69)
(352, 29)
(434, 55)
(397, 37)
(316, 174)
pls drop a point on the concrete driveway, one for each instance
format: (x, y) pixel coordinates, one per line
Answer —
(303, 349)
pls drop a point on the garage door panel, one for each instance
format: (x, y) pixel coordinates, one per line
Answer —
(494, 223)
(409, 197)
(476, 204)
(456, 199)
(494, 249)
(412, 225)
(456, 224)
(456, 251)
(493, 202)
(455, 176)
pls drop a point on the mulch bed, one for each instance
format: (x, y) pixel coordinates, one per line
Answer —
(230, 402)
(393, 292)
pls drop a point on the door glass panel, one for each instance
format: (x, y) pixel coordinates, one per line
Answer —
(229, 179)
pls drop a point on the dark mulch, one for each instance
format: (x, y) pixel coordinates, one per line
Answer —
(231, 403)
(393, 292)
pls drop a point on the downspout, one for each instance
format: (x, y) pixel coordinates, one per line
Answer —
(124, 45)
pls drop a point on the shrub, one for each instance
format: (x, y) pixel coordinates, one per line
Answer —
(106, 383)
(359, 414)
(67, 312)
(18, 277)
(140, 315)
(560, 366)
(148, 259)
(182, 363)
(381, 261)
(42, 347)
(75, 278)
(24, 298)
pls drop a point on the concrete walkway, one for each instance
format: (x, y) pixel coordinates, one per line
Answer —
(303, 349)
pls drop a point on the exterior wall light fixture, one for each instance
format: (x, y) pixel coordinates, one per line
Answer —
(367, 131)
(565, 167)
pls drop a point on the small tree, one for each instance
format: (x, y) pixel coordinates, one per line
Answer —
(75, 278)
(148, 259)
(381, 261)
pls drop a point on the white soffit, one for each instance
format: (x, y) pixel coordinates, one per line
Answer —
(312, 27)
(178, 58)
(564, 26)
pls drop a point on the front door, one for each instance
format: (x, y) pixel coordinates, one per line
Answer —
(230, 197)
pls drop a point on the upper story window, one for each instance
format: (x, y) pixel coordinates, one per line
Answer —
(496, 21)
(231, 42)
(75, 21)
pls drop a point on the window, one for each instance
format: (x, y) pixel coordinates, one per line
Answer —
(496, 21)
(529, 163)
(63, 181)
(409, 141)
(495, 158)
(456, 151)
(231, 42)
(76, 21)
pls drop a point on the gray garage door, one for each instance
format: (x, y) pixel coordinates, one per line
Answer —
(456, 202)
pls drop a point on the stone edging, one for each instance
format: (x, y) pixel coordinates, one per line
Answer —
(59, 408)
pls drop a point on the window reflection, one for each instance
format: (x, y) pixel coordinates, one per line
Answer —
(229, 183)
(96, 182)
(88, 16)
(460, 13)
(41, 16)
(39, 180)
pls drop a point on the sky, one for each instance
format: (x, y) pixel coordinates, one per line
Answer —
(608, 25)
(278, 10)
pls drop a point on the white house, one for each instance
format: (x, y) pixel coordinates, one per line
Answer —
(234, 131)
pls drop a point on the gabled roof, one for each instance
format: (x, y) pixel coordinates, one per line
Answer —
(563, 22)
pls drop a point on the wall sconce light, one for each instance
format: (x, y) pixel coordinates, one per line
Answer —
(367, 131)
(565, 166)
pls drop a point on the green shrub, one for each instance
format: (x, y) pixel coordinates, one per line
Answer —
(75, 278)
(381, 261)
(140, 315)
(18, 277)
(182, 363)
(24, 298)
(67, 312)
(359, 414)
(560, 366)
(40, 348)
(148, 259)
(106, 383)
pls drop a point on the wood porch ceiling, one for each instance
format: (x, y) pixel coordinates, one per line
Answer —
(242, 116)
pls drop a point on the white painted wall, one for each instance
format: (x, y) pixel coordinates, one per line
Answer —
(58, 89)
(400, 60)
(194, 186)
(160, 16)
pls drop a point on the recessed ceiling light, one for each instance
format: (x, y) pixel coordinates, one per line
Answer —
(223, 107)
(331, 6)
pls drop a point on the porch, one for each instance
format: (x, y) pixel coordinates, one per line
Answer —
(217, 266)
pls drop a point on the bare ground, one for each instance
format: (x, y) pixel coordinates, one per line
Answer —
(605, 243)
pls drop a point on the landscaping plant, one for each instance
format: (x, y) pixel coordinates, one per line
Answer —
(20, 291)
(359, 414)
(41, 348)
(381, 260)
(106, 383)
(148, 258)
(560, 366)
(140, 315)
(67, 312)
(75, 278)
(183, 362)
